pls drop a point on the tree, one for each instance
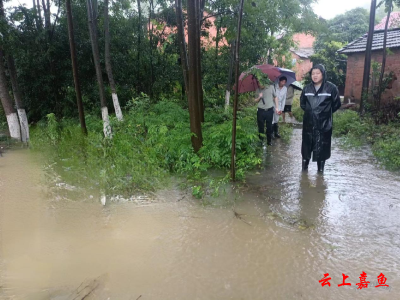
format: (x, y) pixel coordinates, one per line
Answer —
(23, 120)
(114, 95)
(229, 83)
(335, 34)
(334, 62)
(344, 28)
(6, 101)
(92, 17)
(388, 8)
(75, 67)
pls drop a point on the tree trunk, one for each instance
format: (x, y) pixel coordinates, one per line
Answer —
(96, 58)
(199, 16)
(380, 89)
(138, 66)
(216, 48)
(75, 67)
(35, 14)
(235, 103)
(117, 108)
(151, 8)
(193, 95)
(6, 101)
(182, 44)
(23, 120)
(46, 13)
(39, 15)
(367, 61)
(229, 83)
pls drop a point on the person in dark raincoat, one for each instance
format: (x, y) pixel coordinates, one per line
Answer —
(319, 100)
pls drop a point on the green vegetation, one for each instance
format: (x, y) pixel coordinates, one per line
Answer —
(384, 139)
(335, 34)
(151, 143)
(296, 109)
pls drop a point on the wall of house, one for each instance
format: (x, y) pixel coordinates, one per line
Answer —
(355, 70)
(304, 40)
(301, 67)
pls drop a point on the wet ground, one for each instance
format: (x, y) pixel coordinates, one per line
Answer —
(284, 232)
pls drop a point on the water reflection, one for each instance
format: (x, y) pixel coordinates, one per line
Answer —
(302, 225)
(312, 197)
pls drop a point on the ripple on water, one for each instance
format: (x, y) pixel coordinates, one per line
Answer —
(172, 247)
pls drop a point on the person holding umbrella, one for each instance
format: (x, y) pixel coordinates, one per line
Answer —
(319, 100)
(267, 105)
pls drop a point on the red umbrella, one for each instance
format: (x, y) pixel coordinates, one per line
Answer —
(249, 83)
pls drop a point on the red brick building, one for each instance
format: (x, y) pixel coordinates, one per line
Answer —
(355, 52)
(301, 56)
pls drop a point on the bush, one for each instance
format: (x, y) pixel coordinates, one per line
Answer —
(384, 139)
(296, 109)
(151, 142)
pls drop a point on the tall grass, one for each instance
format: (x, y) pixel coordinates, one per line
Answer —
(153, 142)
(384, 139)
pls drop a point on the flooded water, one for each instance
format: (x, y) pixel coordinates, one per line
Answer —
(284, 232)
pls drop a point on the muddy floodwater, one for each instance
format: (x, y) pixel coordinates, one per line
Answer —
(284, 230)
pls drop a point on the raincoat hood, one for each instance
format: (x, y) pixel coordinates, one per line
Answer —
(322, 69)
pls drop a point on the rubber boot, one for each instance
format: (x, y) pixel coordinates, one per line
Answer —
(269, 139)
(321, 166)
(276, 133)
(304, 164)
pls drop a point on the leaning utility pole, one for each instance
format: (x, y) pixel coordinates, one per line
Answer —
(235, 103)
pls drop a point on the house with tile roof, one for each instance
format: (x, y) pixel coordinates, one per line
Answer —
(355, 52)
(301, 54)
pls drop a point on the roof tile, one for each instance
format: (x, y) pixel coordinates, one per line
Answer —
(360, 44)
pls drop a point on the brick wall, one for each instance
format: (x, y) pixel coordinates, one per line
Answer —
(303, 40)
(302, 67)
(355, 70)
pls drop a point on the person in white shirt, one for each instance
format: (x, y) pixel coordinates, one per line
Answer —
(288, 103)
(280, 90)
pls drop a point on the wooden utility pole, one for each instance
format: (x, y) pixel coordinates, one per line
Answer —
(182, 44)
(75, 67)
(380, 89)
(193, 95)
(367, 61)
(235, 103)
(199, 15)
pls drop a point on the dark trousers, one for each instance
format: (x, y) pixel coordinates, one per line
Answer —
(265, 117)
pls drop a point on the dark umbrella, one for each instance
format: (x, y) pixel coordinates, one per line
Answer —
(289, 74)
(249, 83)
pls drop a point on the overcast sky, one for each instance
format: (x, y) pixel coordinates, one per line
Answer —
(330, 8)
(325, 8)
